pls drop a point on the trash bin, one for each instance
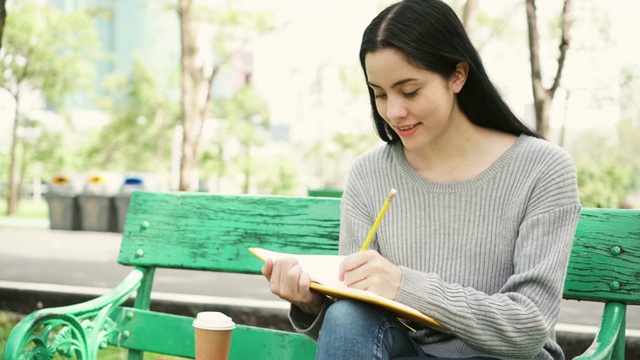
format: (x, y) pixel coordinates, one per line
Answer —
(96, 203)
(121, 200)
(62, 202)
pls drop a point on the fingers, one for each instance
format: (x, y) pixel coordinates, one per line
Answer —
(290, 283)
(287, 280)
(368, 270)
(267, 268)
(358, 265)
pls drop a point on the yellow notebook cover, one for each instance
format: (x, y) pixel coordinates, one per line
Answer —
(323, 271)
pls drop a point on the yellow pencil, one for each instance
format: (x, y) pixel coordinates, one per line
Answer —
(378, 219)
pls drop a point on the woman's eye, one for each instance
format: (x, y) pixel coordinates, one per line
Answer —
(411, 94)
(379, 96)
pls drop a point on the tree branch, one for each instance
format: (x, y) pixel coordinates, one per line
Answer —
(564, 45)
(534, 45)
(500, 25)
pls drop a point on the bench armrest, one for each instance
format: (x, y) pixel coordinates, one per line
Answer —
(609, 342)
(76, 330)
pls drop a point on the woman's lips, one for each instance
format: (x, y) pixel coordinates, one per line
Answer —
(407, 130)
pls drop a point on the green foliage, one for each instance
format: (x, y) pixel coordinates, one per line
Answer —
(246, 105)
(47, 49)
(233, 26)
(244, 118)
(139, 132)
(8, 320)
(353, 81)
(353, 145)
(44, 150)
(278, 176)
(602, 183)
(605, 170)
(629, 88)
(629, 137)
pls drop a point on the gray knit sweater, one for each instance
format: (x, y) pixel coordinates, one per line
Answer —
(486, 257)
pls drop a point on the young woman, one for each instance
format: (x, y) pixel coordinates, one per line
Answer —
(480, 231)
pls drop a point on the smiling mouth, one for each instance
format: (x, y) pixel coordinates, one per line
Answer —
(407, 127)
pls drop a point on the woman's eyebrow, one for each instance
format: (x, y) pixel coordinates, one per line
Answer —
(395, 84)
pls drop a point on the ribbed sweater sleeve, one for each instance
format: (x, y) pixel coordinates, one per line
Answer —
(486, 257)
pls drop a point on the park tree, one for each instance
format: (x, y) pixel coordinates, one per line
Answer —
(142, 117)
(608, 167)
(42, 150)
(229, 29)
(245, 118)
(45, 51)
(543, 96)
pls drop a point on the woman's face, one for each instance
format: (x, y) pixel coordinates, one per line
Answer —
(419, 105)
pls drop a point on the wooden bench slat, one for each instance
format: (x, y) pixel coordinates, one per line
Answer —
(185, 230)
(174, 335)
(604, 260)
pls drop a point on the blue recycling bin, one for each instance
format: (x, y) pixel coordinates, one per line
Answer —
(122, 199)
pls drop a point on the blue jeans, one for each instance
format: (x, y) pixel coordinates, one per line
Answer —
(356, 330)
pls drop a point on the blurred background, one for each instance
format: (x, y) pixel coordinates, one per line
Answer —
(267, 97)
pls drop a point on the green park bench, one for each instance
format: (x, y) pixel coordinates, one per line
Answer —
(210, 232)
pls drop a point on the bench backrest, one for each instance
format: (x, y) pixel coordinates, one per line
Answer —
(212, 232)
(605, 259)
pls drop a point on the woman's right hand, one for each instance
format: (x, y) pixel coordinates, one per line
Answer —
(289, 282)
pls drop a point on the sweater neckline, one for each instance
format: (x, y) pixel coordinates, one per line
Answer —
(423, 183)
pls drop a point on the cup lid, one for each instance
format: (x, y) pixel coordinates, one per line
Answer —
(212, 320)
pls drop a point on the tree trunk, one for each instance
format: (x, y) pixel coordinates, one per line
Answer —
(3, 17)
(247, 171)
(543, 97)
(468, 14)
(190, 94)
(14, 180)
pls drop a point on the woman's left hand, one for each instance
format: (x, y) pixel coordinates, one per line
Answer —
(368, 270)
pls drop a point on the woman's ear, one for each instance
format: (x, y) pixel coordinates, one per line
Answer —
(459, 77)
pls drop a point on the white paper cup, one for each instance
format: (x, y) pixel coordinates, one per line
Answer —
(213, 335)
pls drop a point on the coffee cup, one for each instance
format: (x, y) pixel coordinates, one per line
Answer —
(213, 335)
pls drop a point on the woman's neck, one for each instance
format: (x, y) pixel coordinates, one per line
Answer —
(461, 154)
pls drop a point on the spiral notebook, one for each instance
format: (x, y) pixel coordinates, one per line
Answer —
(323, 271)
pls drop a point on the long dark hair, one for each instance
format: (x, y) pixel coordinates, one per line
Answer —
(430, 36)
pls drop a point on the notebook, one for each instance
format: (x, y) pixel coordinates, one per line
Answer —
(323, 271)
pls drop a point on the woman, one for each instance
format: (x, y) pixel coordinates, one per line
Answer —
(480, 231)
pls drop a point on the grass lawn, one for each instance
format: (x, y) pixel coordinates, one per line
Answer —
(27, 208)
(8, 320)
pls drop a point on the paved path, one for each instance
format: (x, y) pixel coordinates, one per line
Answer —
(88, 259)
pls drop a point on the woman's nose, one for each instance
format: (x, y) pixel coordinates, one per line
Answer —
(396, 108)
